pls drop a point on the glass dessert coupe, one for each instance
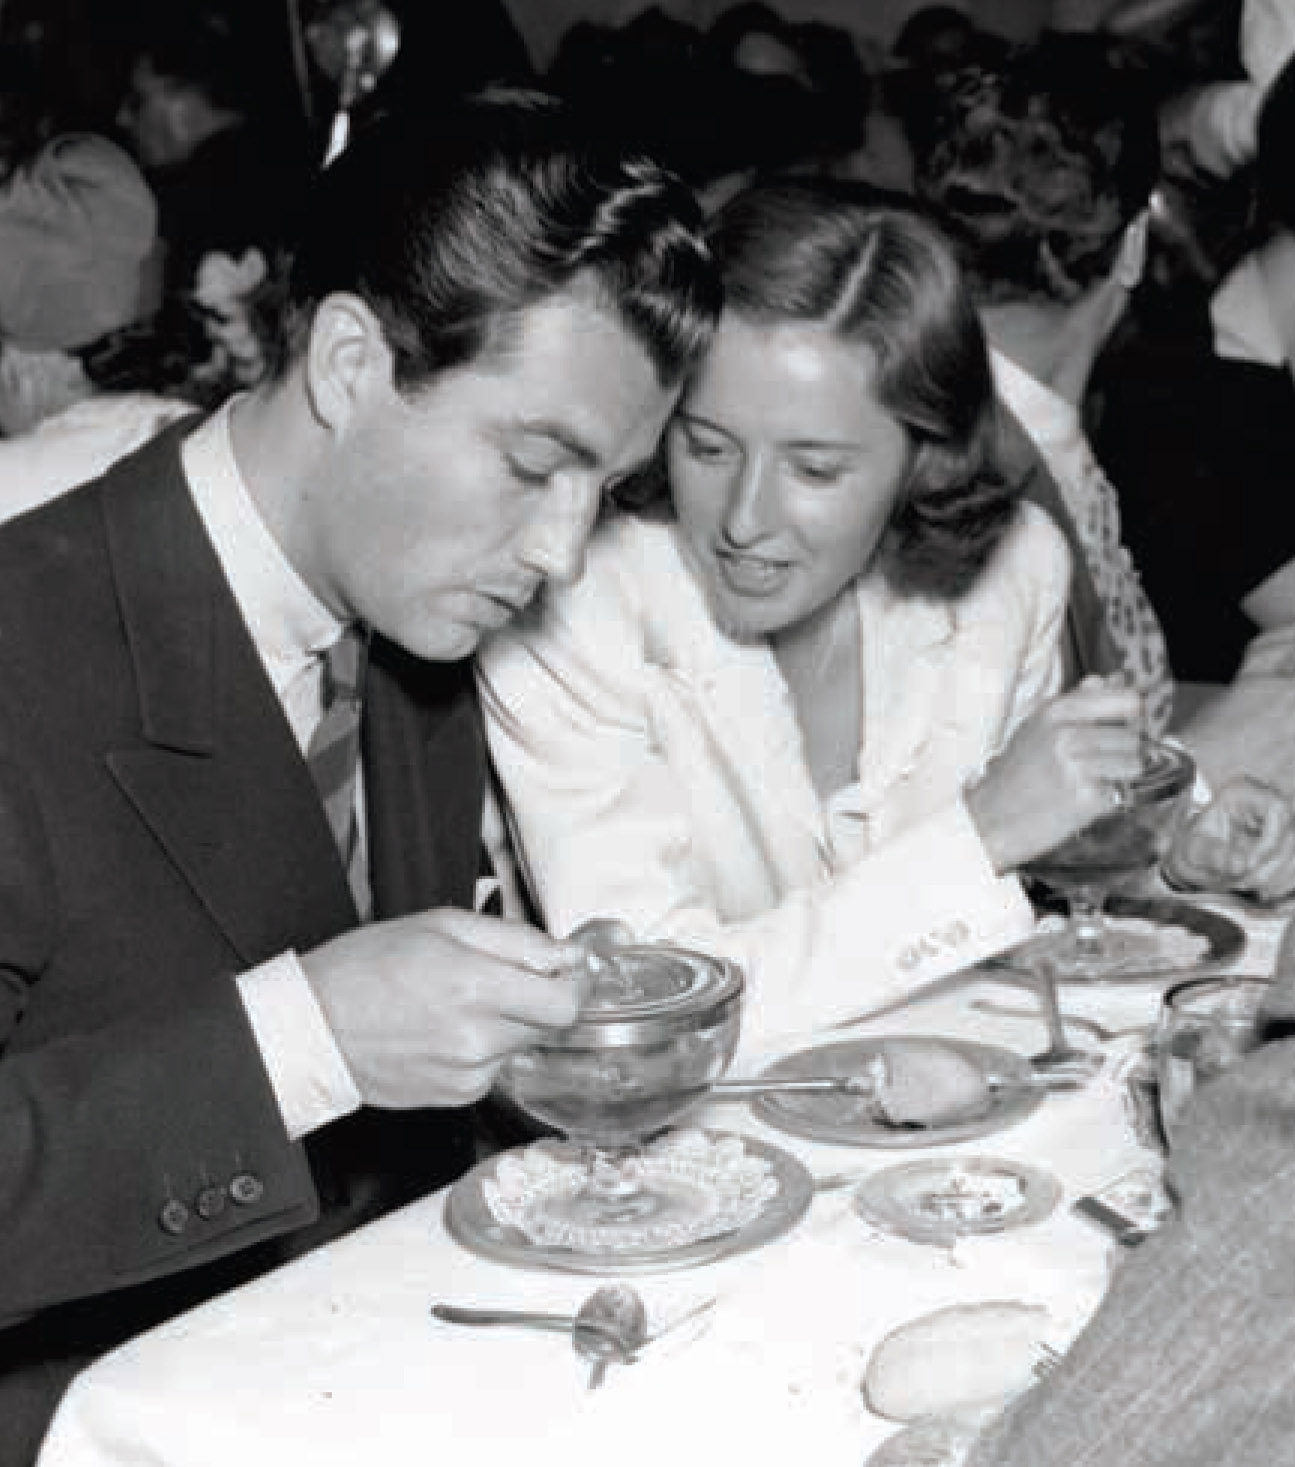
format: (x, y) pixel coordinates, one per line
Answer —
(1112, 853)
(658, 1030)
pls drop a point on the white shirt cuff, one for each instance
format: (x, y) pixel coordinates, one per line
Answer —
(308, 1073)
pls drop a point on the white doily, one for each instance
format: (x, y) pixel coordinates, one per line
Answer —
(694, 1186)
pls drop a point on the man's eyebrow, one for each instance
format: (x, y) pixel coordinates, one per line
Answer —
(562, 435)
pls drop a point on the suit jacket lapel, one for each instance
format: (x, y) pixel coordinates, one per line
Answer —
(218, 777)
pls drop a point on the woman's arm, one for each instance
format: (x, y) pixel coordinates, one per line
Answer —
(591, 738)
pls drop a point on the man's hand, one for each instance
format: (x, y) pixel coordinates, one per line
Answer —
(1248, 728)
(1059, 773)
(1243, 841)
(426, 1008)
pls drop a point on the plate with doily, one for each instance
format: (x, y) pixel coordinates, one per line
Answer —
(700, 1195)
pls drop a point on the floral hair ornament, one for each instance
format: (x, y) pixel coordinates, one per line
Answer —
(223, 292)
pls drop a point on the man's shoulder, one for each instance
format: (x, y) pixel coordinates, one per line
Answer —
(155, 462)
(54, 557)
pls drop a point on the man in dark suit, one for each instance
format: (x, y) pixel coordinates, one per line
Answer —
(208, 1060)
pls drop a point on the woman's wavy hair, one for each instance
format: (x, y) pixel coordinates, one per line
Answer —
(884, 277)
(1037, 164)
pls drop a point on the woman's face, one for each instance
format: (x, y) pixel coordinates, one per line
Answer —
(785, 471)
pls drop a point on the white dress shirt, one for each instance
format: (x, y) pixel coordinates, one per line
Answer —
(290, 629)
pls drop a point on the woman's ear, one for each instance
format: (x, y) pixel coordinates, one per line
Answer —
(347, 358)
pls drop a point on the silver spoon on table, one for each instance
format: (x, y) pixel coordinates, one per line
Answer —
(610, 1325)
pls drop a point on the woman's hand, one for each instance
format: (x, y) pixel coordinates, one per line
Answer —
(1065, 766)
(1242, 841)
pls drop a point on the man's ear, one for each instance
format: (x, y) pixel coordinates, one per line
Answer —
(347, 357)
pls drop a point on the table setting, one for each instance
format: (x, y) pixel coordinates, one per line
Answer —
(699, 1258)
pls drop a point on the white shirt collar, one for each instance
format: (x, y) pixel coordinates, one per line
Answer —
(288, 623)
(1050, 420)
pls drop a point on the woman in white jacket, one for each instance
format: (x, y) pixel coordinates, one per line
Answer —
(799, 717)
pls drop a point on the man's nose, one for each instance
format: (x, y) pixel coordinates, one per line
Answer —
(751, 499)
(557, 546)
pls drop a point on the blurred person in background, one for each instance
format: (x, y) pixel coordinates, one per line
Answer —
(218, 136)
(1043, 169)
(78, 227)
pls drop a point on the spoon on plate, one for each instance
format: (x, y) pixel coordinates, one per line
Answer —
(611, 1325)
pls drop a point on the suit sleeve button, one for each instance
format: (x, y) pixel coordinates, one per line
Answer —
(246, 1189)
(209, 1203)
(174, 1217)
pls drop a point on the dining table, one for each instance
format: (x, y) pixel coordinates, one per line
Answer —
(754, 1357)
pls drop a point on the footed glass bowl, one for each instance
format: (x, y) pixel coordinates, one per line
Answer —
(659, 1028)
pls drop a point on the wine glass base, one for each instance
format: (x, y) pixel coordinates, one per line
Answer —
(1069, 1070)
(1120, 950)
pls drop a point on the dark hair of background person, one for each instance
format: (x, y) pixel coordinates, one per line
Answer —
(1037, 165)
(27, 114)
(935, 36)
(885, 279)
(1275, 161)
(754, 91)
(448, 228)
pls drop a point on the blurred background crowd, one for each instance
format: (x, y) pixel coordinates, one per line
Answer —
(151, 152)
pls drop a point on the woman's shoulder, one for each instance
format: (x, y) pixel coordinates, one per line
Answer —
(1033, 551)
(631, 569)
(630, 559)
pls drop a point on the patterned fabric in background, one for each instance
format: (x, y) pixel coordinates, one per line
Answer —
(1093, 504)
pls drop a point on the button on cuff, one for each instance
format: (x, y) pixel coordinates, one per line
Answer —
(246, 1188)
(210, 1203)
(174, 1217)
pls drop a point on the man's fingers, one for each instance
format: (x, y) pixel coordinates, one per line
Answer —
(516, 943)
(520, 996)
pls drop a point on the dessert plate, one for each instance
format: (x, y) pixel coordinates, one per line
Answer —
(713, 1194)
(945, 1198)
(1160, 938)
(853, 1120)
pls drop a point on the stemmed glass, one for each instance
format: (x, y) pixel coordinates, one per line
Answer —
(1113, 852)
(659, 1028)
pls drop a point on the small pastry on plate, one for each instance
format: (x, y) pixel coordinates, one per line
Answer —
(922, 1082)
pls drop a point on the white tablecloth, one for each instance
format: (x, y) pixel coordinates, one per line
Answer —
(335, 1361)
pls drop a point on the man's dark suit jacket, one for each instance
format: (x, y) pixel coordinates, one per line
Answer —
(159, 833)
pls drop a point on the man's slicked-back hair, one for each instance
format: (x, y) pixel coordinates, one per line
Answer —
(885, 278)
(449, 227)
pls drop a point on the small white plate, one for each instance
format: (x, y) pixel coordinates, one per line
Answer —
(945, 1198)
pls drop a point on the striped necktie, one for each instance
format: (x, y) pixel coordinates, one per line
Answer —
(333, 754)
